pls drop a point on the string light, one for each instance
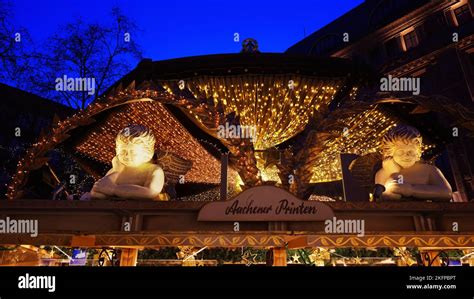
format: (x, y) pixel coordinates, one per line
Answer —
(170, 136)
(265, 103)
(363, 135)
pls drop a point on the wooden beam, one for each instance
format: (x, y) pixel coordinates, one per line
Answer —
(83, 241)
(100, 223)
(128, 257)
(298, 242)
(279, 257)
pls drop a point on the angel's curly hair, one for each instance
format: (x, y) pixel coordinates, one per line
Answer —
(136, 134)
(400, 133)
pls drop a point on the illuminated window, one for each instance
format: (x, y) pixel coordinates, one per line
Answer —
(410, 40)
(463, 14)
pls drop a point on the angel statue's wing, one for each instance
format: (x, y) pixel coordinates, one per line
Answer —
(173, 166)
(363, 169)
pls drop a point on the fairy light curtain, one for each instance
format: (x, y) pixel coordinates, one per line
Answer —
(277, 106)
(169, 133)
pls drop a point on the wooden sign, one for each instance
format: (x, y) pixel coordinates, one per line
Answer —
(265, 203)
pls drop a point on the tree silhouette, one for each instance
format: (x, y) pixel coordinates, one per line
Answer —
(102, 52)
(14, 49)
(82, 50)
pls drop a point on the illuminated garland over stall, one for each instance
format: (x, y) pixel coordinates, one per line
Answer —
(362, 136)
(169, 134)
(278, 106)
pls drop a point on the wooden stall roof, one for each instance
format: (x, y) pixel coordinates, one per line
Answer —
(245, 63)
(98, 140)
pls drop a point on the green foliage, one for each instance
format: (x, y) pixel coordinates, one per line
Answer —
(222, 255)
(162, 253)
(364, 252)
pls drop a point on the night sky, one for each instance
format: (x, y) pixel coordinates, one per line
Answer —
(174, 28)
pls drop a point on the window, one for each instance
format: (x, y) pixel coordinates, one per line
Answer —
(410, 40)
(463, 14)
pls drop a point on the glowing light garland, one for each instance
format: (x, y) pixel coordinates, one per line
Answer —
(170, 136)
(363, 135)
(276, 109)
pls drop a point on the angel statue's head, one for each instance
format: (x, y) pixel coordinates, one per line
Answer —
(135, 145)
(403, 144)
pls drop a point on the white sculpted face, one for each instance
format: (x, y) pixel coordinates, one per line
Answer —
(135, 145)
(134, 154)
(406, 155)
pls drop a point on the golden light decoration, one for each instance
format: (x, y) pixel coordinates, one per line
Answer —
(278, 106)
(361, 136)
(269, 174)
(170, 136)
(267, 164)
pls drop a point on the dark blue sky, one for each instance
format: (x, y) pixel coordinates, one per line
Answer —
(179, 28)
